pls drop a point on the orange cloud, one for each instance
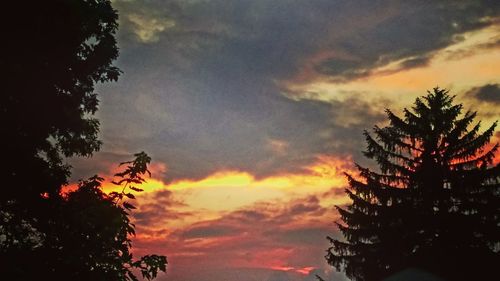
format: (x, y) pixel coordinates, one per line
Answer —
(277, 224)
(283, 234)
(228, 190)
(401, 86)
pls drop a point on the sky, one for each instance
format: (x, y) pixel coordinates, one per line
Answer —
(253, 110)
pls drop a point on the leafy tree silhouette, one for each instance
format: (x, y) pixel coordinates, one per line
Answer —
(434, 204)
(101, 225)
(53, 59)
(56, 52)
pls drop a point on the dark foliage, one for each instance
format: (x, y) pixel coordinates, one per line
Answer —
(86, 235)
(56, 52)
(53, 55)
(434, 204)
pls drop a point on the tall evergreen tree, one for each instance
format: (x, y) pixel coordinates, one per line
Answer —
(433, 205)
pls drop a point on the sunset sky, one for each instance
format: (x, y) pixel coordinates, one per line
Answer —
(253, 110)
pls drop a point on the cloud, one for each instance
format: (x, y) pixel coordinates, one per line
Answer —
(210, 92)
(269, 239)
(307, 205)
(261, 135)
(491, 42)
(159, 208)
(416, 62)
(277, 37)
(489, 93)
(209, 231)
(412, 32)
(147, 29)
(285, 234)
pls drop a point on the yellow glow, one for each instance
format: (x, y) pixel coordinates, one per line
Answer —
(229, 190)
(219, 179)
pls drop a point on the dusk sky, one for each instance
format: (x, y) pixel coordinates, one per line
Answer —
(253, 110)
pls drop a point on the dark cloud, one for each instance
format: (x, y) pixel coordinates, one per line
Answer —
(488, 93)
(474, 49)
(209, 231)
(412, 33)
(342, 67)
(273, 38)
(229, 125)
(310, 204)
(492, 44)
(333, 193)
(157, 208)
(247, 216)
(200, 92)
(414, 62)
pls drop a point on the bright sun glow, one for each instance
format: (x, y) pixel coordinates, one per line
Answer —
(227, 190)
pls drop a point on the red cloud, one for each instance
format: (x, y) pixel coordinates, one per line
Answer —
(287, 236)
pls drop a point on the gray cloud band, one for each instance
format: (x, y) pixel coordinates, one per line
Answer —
(199, 88)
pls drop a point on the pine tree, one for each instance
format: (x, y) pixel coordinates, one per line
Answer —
(433, 205)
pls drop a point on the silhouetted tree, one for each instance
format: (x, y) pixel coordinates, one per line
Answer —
(54, 54)
(104, 235)
(434, 204)
(88, 237)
